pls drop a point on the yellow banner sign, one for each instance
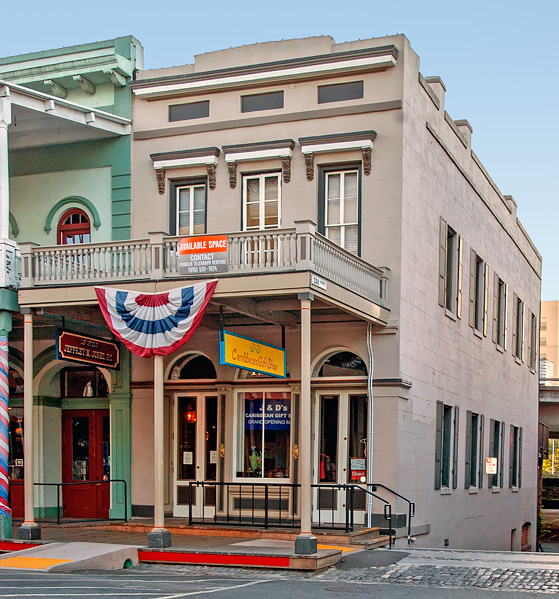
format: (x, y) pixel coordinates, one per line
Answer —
(249, 354)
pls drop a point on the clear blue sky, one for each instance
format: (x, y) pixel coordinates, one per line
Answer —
(498, 60)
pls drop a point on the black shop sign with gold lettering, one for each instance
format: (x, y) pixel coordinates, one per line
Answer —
(86, 350)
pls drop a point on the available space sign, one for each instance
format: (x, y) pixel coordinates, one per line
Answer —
(203, 255)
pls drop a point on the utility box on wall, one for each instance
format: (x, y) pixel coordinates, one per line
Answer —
(10, 264)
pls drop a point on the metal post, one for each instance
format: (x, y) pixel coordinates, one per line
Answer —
(29, 529)
(305, 543)
(159, 536)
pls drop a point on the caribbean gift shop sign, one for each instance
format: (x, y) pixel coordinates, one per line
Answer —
(203, 255)
(249, 354)
(87, 350)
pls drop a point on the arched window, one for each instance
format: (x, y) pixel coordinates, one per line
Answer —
(343, 363)
(74, 227)
(193, 367)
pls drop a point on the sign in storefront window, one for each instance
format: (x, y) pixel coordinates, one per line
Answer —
(15, 463)
(266, 431)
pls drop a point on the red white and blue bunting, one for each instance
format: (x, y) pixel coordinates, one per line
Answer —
(154, 323)
(4, 427)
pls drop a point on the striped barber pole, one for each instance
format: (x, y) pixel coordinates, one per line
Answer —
(152, 324)
(4, 427)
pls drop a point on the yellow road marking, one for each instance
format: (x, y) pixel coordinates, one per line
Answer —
(342, 549)
(31, 563)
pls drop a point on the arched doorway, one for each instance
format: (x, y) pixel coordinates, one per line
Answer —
(340, 420)
(197, 420)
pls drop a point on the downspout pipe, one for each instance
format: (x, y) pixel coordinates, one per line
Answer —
(370, 425)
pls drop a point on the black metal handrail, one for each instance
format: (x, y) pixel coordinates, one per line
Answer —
(266, 515)
(81, 482)
(411, 505)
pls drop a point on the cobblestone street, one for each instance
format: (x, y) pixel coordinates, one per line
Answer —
(533, 572)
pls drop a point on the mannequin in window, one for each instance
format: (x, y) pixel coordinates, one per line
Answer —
(88, 390)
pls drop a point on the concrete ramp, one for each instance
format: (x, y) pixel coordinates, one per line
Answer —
(65, 557)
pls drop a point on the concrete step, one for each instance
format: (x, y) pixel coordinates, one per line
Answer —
(65, 557)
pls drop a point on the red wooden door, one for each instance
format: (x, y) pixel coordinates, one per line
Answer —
(86, 460)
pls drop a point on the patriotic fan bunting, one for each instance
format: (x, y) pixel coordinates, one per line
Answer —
(154, 323)
(4, 424)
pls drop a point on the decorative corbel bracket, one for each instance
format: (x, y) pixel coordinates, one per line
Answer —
(85, 84)
(309, 165)
(232, 168)
(56, 89)
(286, 168)
(367, 152)
(210, 169)
(116, 78)
(160, 174)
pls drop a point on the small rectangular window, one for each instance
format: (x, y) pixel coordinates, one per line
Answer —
(193, 110)
(446, 446)
(497, 450)
(340, 92)
(518, 328)
(500, 312)
(515, 457)
(533, 341)
(474, 449)
(479, 279)
(267, 101)
(450, 269)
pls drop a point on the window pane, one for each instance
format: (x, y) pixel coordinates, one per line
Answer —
(334, 234)
(340, 91)
(184, 199)
(357, 437)
(350, 210)
(350, 186)
(271, 188)
(266, 101)
(186, 458)
(333, 186)
(271, 214)
(328, 438)
(333, 212)
(253, 216)
(277, 431)
(351, 239)
(80, 448)
(211, 438)
(252, 431)
(193, 110)
(15, 462)
(199, 198)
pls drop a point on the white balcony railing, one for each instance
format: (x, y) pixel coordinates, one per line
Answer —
(156, 258)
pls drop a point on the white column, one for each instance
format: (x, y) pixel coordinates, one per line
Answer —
(159, 536)
(306, 542)
(5, 121)
(29, 529)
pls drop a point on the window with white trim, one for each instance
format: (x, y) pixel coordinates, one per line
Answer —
(339, 207)
(261, 201)
(191, 209)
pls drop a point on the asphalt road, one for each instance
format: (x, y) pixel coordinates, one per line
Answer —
(356, 576)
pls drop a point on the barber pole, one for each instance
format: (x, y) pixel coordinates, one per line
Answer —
(4, 427)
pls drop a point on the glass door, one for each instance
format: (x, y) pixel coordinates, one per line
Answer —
(340, 455)
(196, 434)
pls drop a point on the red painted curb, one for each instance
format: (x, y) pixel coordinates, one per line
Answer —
(213, 558)
(16, 546)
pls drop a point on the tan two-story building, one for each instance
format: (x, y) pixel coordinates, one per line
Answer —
(365, 239)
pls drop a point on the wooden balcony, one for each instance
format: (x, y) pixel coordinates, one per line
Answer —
(279, 251)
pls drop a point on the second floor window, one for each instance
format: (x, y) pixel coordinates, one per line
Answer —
(261, 201)
(518, 328)
(500, 313)
(74, 227)
(450, 269)
(191, 209)
(479, 286)
(340, 208)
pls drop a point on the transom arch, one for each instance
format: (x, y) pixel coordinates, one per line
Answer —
(191, 363)
(344, 360)
(73, 202)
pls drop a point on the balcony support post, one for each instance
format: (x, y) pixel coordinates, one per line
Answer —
(157, 245)
(305, 543)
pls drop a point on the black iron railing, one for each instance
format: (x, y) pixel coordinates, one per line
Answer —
(411, 505)
(59, 497)
(266, 505)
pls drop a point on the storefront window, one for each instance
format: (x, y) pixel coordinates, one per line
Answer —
(187, 438)
(265, 432)
(15, 463)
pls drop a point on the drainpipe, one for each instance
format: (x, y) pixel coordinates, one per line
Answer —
(370, 425)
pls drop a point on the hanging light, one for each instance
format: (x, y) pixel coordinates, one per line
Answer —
(191, 415)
